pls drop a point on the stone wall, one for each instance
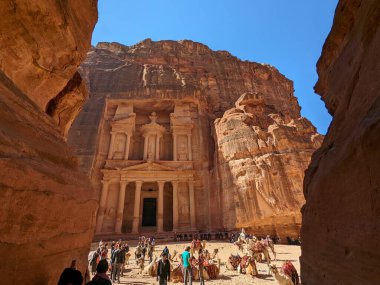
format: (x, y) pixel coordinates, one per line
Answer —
(249, 160)
(48, 207)
(341, 225)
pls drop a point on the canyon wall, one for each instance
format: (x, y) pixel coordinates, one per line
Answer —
(253, 156)
(48, 206)
(340, 227)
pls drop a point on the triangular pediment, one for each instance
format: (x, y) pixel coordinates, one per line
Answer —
(149, 166)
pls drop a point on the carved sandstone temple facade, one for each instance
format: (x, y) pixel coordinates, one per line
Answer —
(176, 137)
(149, 174)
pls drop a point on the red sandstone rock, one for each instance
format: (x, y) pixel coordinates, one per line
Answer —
(47, 205)
(251, 175)
(340, 227)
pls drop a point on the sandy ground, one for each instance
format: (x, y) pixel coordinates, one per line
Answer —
(284, 252)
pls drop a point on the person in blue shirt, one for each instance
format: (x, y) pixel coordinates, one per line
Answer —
(185, 260)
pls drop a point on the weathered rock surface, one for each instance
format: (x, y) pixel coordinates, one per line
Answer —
(252, 167)
(43, 43)
(340, 231)
(47, 205)
(261, 160)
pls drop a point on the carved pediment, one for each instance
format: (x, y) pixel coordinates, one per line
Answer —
(149, 166)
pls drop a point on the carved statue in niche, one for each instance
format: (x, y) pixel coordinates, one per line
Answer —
(119, 148)
(182, 152)
(110, 213)
(151, 148)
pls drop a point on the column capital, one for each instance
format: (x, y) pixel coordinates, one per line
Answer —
(139, 182)
(105, 182)
(175, 182)
(191, 182)
(113, 132)
(161, 182)
(124, 182)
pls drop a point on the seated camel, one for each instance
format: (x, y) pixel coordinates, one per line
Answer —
(151, 269)
(244, 265)
(288, 275)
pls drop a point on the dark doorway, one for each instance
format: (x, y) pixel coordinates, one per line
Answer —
(149, 212)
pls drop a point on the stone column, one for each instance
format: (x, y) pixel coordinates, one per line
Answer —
(120, 207)
(157, 147)
(174, 146)
(160, 218)
(102, 206)
(146, 137)
(110, 149)
(136, 209)
(192, 204)
(127, 146)
(175, 205)
(190, 156)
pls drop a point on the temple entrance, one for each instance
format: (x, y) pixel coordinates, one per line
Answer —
(149, 212)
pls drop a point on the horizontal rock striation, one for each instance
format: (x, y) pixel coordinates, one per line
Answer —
(47, 211)
(340, 240)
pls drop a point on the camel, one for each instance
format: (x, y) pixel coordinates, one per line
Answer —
(214, 254)
(245, 264)
(269, 243)
(289, 275)
(176, 275)
(197, 245)
(256, 249)
(212, 270)
(233, 262)
(173, 258)
(151, 269)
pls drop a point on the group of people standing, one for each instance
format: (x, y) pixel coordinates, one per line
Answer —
(145, 247)
(119, 250)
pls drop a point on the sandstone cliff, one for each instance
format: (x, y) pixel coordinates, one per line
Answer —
(340, 230)
(47, 205)
(254, 155)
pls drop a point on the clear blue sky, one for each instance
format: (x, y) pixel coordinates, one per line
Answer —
(287, 34)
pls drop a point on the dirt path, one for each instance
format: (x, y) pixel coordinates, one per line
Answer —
(284, 252)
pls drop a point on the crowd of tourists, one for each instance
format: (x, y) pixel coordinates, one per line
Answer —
(107, 263)
(202, 236)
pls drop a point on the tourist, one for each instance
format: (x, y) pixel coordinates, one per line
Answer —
(117, 261)
(185, 260)
(70, 276)
(104, 252)
(101, 277)
(150, 252)
(126, 251)
(163, 270)
(143, 250)
(93, 261)
(165, 251)
(201, 260)
(138, 252)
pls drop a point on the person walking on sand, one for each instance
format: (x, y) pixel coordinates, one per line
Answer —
(201, 260)
(185, 260)
(163, 270)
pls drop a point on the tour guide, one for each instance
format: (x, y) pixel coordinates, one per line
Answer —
(185, 259)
